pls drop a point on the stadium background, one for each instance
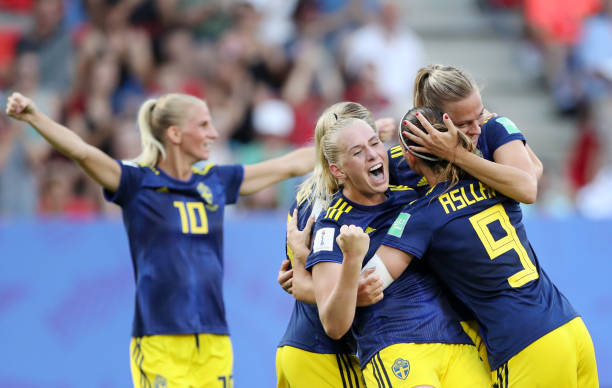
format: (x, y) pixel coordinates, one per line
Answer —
(267, 69)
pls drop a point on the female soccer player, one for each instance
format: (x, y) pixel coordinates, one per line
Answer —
(173, 214)
(306, 356)
(412, 336)
(473, 238)
(507, 164)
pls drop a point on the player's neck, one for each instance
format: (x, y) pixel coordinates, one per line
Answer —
(176, 165)
(432, 178)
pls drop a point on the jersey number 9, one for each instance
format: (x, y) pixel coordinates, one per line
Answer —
(509, 242)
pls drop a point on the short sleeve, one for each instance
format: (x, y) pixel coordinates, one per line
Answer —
(324, 246)
(499, 131)
(410, 233)
(231, 177)
(131, 178)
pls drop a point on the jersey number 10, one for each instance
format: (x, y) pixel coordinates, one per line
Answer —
(193, 217)
(509, 242)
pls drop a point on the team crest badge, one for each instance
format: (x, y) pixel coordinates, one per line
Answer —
(205, 193)
(401, 368)
(207, 196)
(160, 382)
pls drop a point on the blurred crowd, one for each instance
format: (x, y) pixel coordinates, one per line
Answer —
(568, 49)
(267, 68)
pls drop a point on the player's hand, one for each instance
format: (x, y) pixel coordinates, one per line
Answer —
(486, 115)
(298, 241)
(432, 141)
(285, 277)
(353, 242)
(370, 289)
(19, 107)
(386, 128)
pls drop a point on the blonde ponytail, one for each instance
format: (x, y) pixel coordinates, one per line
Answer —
(437, 85)
(152, 148)
(154, 118)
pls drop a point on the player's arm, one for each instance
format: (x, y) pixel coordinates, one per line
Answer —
(298, 249)
(298, 280)
(335, 284)
(394, 261)
(99, 166)
(537, 164)
(512, 173)
(258, 176)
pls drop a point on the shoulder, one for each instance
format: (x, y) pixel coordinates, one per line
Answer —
(395, 152)
(204, 169)
(402, 194)
(132, 170)
(500, 123)
(338, 211)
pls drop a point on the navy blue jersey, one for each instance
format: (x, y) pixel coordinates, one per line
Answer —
(400, 172)
(175, 232)
(305, 330)
(495, 132)
(475, 241)
(414, 309)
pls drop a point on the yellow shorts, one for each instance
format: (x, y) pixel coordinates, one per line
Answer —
(436, 365)
(471, 329)
(563, 358)
(184, 360)
(297, 368)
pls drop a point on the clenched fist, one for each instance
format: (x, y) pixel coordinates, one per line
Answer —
(19, 106)
(353, 242)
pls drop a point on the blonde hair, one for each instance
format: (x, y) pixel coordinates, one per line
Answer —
(154, 118)
(445, 170)
(322, 185)
(437, 85)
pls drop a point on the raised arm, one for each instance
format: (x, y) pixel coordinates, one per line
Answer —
(261, 175)
(512, 173)
(99, 166)
(336, 284)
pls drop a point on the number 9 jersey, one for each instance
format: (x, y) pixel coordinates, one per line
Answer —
(473, 238)
(175, 232)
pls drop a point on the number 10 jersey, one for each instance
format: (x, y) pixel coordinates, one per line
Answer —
(175, 233)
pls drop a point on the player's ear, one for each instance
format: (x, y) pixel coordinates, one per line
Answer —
(337, 172)
(174, 134)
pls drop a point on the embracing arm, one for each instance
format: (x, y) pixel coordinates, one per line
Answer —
(513, 172)
(99, 166)
(261, 175)
(538, 167)
(395, 260)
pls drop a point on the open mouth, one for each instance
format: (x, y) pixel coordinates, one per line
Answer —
(377, 171)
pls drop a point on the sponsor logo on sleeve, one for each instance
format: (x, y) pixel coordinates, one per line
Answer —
(399, 224)
(324, 240)
(508, 125)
